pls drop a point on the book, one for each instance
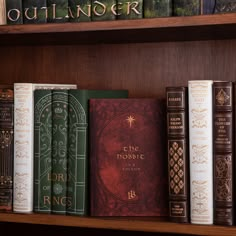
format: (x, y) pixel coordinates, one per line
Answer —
(23, 142)
(78, 146)
(186, 7)
(42, 151)
(3, 17)
(225, 6)
(201, 151)
(207, 7)
(35, 11)
(128, 164)
(129, 10)
(103, 10)
(157, 8)
(14, 11)
(57, 11)
(6, 147)
(223, 146)
(79, 10)
(178, 153)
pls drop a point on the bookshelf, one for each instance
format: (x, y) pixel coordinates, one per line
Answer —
(143, 56)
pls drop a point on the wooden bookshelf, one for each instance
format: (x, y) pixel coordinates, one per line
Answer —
(143, 56)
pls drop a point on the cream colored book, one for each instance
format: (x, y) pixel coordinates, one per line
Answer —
(23, 142)
(3, 17)
(201, 151)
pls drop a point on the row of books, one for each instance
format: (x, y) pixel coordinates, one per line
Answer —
(43, 11)
(200, 134)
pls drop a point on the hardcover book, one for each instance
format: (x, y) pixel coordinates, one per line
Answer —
(35, 11)
(157, 8)
(201, 151)
(128, 164)
(57, 11)
(78, 145)
(186, 7)
(79, 10)
(24, 142)
(6, 147)
(178, 153)
(225, 6)
(223, 145)
(3, 17)
(14, 12)
(207, 7)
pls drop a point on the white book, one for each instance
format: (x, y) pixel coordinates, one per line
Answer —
(3, 17)
(23, 142)
(201, 151)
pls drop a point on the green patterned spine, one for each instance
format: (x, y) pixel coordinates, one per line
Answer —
(79, 10)
(225, 6)
(42, 150)
(35, 11)
(57, 11)
(59, 150)
(157, 8)
(14, 12)
(103, 10)
(129, 10)
(186, 7)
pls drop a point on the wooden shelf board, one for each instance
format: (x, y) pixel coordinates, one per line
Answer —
(146, 224)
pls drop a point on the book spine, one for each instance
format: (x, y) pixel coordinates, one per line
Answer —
(35, 11)
(201, 151)
(79, 10)
(59, 150)
(14, 12)
(154, 9)
(6, 148)
(42, 150)
(186, 7)
(207, 7)
(23, 148)
(104, 10)
(57, 11)
(223, 152)
(178, 155)
(129, 10)
(3, 17)
(225, 6)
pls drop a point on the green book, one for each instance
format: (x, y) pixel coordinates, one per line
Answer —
(78, 136)
(14, 12)
(57, 11)
(35, 11)
(103, 10)
(42, 150)
(79, 10)
(225, 6)
(59, 150)
(186, 7)
(129, 9)
(157, 8)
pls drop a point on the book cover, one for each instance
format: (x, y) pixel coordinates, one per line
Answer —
(178, 153)
(225, 6)
(207, 7)
(6, 147)
(186, 7)
(78, 146)
(57, 11)
(104, 10)
(24, 142)
(157, 8)
(79, 10)
(129, 10)
(128, 164)
(3, 17)
(223, 146)
(42, 150)
(35, 11)
(14, 12)
(201, 151)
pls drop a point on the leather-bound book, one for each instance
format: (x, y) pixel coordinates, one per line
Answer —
(186, 7)
(128, 164)
(223, 146)
(178, 154)
(161, 8)
(79, 10)
(14, 12)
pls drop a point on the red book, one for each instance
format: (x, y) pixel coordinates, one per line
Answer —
(128, 171)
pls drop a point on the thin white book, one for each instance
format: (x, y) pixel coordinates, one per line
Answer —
(23, 142)
(3, 17)
(201, 151)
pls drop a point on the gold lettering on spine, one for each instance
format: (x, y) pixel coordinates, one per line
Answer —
(35, 15)
(54, 12)
(102, 10)
(18, 14)
(131, 6)
(79, 9)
